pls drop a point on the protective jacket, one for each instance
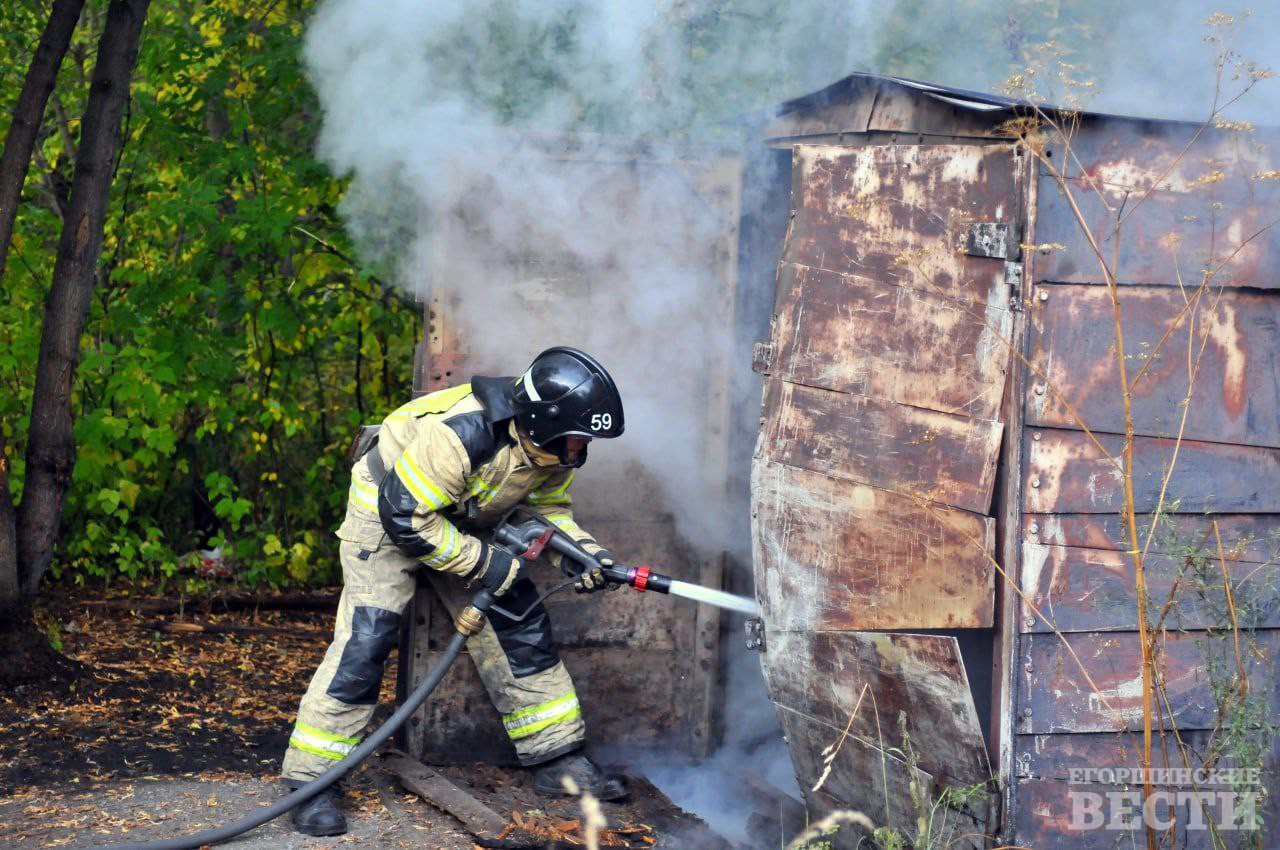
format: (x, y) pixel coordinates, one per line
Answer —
(448, 463)
(445, 467)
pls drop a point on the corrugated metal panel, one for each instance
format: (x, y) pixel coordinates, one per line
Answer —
(1233, 336)
(1183, 198)
(1095, 589)
(1250, 537)
(1056, 697)
(1066, 473)
(1163, 206)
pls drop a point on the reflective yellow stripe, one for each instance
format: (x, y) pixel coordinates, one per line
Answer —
(436, 402)
(529, 721)
(558, 496)
(482, 490)
(315, 751)
(422, 487)
(363, 494)
(565, 523)
(452, 543)
(321, 743)
(323, 735)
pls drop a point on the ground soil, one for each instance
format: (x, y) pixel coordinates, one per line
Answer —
(165, 733)
(28, 658)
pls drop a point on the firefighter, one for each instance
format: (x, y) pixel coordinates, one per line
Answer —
(445, 468)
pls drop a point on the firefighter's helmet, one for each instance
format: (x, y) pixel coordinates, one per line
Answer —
(567, 393)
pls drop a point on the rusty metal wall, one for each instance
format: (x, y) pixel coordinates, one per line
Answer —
(876, 465)
(1167, 209)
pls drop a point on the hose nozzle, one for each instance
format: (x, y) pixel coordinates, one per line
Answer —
(641, 578)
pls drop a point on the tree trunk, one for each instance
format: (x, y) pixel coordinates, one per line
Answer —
(29, 113)
(51, 439)
(10, 583)
(15, 161)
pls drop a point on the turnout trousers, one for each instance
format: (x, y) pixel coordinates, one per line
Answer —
(517, 661)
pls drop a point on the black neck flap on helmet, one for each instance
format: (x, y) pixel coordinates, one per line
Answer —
(567, 393)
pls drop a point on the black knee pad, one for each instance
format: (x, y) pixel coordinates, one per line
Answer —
(374, 633)
(528, 644)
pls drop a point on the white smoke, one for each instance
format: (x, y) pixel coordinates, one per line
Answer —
(450, 119)
(471, 136)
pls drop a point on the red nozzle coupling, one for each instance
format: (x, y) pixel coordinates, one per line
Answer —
(639, 578)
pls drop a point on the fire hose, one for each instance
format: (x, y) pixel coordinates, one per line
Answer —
(527, 540)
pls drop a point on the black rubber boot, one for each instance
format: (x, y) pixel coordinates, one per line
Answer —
(548, 780)
(320, 815)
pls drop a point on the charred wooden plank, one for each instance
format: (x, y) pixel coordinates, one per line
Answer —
(1055, 696)
(843, 332)
(941, 457)
(832, 554)
(827, 675)
(868, 779)
(1246, 537)
(1094, 590)
(1235, 397)
(900, 214)
(1065, 473)
(479, 819)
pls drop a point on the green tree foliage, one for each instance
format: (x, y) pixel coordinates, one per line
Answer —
(980, 44)
(233, 346)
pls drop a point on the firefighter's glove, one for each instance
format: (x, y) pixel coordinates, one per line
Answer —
(593, 579)
(497, 569)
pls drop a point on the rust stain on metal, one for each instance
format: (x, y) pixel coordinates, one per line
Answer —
(900, 215)
(1055, 697)
(915, 452)
(1065, 473)
(847, 333)
(1094, 589)
(1236, 394)
(1207, 207)
(1167, 241)
(833, 554)
(922, 676)
(1247, 537)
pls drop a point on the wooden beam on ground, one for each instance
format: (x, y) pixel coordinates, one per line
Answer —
(416, 777)
(777, 805)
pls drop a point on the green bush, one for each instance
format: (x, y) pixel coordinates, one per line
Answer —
(232, 347)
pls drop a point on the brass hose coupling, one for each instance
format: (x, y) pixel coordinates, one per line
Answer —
(470, 620)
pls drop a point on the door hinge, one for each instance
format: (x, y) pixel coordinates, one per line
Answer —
(1013, 279)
